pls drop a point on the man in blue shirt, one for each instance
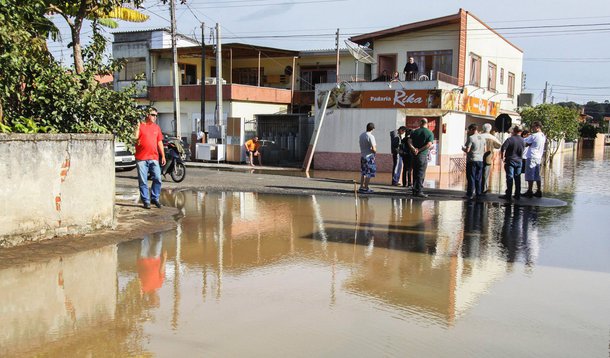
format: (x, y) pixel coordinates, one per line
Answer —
(512, 153)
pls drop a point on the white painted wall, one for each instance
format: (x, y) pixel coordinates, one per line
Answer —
(342, 127)
(453, 140)
(491, 47)
(55, 184)
(163, 39)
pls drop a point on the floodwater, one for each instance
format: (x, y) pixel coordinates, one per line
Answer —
(300, 276)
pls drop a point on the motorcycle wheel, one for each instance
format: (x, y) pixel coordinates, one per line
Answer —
(178, 173)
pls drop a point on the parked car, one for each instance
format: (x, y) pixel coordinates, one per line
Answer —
(123, 158)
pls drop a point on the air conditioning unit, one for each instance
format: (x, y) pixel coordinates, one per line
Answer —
(213, 81)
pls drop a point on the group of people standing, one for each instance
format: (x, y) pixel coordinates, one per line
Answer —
(521, 153)
(409, 149)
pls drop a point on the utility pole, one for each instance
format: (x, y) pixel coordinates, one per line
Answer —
(202, 123)
(175, 69)
(546, 85)
(337, 49)
(218, 77)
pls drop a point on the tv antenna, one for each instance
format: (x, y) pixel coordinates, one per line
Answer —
(360, 53)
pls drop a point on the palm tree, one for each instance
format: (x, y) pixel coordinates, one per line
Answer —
(103, 11)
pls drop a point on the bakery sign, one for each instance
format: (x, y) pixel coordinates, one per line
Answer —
(400, 98)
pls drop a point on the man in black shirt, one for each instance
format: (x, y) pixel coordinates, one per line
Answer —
(512, 152)
(410, 70)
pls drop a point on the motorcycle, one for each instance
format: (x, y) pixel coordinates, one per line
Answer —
(174, 164)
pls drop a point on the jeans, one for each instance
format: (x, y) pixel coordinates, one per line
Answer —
(144, 166)
(396, 168)
(420, 164)
(474, 172)
(513, 172)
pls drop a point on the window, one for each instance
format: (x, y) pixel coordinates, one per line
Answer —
(431, 62)
(502, 75)
(475, 70)
(511, 85)
(133, 67)
(247, 75)
(491, 76)
(188, 74)
(312, 76)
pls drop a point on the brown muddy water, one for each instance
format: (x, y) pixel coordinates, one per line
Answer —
(252, 275)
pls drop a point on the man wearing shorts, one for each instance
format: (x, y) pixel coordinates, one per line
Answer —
(252, 147)
(368, 167)
(535, 145)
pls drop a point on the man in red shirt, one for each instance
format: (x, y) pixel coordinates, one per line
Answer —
(149, 143)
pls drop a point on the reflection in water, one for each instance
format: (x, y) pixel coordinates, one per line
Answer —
(248, 274)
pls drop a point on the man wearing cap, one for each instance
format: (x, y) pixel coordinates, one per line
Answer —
(420, 142)
(368, 167)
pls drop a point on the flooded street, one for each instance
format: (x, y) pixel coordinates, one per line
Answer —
(248, 274)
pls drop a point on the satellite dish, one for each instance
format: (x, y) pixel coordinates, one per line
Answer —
(359, 52)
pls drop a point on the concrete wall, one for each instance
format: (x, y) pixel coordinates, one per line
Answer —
(55, 184)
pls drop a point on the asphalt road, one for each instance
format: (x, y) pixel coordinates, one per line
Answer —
(241, 178)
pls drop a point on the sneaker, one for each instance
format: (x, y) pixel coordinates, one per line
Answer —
(157, 203)
(146, 205)
(538, 194)
(528, 194)
(395, 184)
(365, 191)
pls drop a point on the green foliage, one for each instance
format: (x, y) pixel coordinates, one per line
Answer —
(559, 123)
(587, 130)
(39, 95)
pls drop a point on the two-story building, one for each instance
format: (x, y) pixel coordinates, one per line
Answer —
(467, 73)
(256, 80)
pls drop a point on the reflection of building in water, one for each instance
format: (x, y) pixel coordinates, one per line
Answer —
(449, 263)
(432, 258)
(44, 302)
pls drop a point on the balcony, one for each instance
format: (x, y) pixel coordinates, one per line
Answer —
(231, 92)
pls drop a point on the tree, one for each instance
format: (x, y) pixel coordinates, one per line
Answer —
(37, 94)
(76, 12)
(559, 124)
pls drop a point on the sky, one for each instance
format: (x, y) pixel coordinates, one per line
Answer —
(565, 43)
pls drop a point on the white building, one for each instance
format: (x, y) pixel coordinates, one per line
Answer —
(468, 73)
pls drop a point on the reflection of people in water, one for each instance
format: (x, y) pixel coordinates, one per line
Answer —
(516, 235)
(151, 266)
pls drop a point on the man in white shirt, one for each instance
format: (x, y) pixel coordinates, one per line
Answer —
(535, 149)
(368, 166)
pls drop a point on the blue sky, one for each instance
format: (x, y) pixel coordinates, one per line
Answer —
(573, 58)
